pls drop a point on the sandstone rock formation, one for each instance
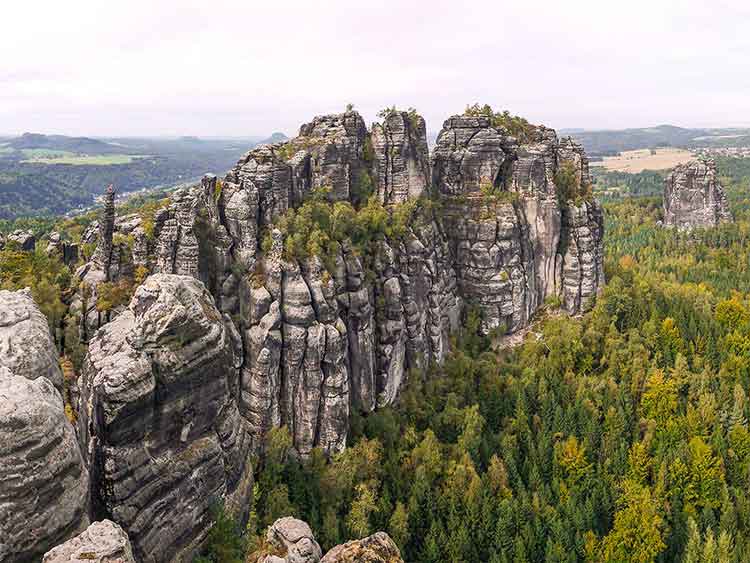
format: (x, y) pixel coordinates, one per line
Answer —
(514, 240)
(693, 196)
(315, 337)
(26, 345)
(101, 542)
(292, 542)
(43, 481)
(159, 419)
(400, 157)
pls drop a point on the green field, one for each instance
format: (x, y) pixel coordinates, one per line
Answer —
(44, 156)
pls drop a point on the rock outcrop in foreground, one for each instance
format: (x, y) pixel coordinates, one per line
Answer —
(159, 420)
(693, 196)
(101, 542)
(293, 542)
(26, 345)
(43, 482)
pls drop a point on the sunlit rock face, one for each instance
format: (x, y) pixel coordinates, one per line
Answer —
(159, 419)
(693, 196)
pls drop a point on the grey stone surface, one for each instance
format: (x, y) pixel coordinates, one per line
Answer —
(159, 420)
(44, 487)
(26, 345)
(101, 542)
(693, 196)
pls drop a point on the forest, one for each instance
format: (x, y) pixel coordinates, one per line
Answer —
(621, 435)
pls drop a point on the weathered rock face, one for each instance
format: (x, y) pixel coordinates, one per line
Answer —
(513, 241)
(26, 345)
(377, 548)
(401, 164)
(44, 484)
(158, 418)
(693, 196)
(101, 542)
(102, 258)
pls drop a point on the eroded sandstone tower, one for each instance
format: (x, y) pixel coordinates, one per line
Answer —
(693, 196)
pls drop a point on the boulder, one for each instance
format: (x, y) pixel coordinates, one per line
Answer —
(377, 548)
(101, 542)
(293, 541)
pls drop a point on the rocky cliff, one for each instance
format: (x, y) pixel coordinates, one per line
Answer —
(491, 221)
(693, 196)
(159, 420)
(26, 346)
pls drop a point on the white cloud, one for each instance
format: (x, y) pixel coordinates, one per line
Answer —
(252, 67)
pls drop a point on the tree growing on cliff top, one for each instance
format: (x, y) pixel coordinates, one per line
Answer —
(517, 126)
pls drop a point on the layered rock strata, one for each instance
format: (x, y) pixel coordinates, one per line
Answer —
(101, 542)
(43, 482)
(159, 419)
(693, 196)
(401, 163)
(318, 337)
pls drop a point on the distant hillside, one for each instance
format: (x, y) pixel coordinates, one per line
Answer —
(274, 138)
(55, 174)
(610, 142)
(82, 145)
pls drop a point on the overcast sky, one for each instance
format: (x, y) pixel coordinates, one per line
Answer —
(241, 68)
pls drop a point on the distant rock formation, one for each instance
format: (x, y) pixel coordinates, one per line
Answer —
(43, 481)
(693, 196)
(24, 240)
(101, 542)
(26, 345)
(65, 251)
(293, 542)
(159, 419)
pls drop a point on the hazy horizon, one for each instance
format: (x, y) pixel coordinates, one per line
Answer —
(226, 70)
